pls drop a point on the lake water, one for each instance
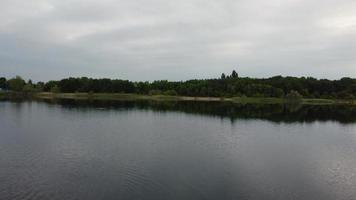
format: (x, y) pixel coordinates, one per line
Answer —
(176, 150)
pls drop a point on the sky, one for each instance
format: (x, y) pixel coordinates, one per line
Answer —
(177, 40)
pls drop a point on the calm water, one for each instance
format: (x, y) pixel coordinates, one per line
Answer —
(145, 150)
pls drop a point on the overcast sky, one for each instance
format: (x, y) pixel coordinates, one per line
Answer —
(177, 40)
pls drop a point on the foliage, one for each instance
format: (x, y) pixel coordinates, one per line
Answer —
(225, 86)
(55, 89)
(3, 83)
(16, 84)
(234, 74)
(223, 76)
(29, 88)
(170, 93)
(49, 85)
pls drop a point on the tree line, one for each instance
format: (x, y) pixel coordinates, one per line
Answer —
(225, 86)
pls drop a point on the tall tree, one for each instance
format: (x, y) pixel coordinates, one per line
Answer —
(223, 76)
(3, 83)
(16, 84)
(234, 74)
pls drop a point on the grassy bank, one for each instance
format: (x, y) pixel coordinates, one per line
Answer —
(120, 96)
(123, 96)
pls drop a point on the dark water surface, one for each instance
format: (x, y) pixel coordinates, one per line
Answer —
(176, 150)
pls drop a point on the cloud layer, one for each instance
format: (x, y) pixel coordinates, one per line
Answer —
(177, 40)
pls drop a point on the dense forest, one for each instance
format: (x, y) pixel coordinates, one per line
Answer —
(225, 86)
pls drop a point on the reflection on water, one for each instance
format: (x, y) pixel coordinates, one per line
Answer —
(271, 112)
(175, 150)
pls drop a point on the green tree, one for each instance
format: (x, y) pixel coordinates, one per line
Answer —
(39, 86)
(16, 84)
(3, 83)
(55, 89)
(49, 85)
(223, 76)
(234, 74)
(29, 88)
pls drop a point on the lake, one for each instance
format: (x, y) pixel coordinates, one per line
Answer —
(175, 150)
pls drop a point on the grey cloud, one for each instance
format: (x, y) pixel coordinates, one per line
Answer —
(159, 39)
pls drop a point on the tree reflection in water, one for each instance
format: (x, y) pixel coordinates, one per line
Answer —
(287, 113)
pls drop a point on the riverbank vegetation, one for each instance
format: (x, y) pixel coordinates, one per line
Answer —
(231, 87)
(239, 100)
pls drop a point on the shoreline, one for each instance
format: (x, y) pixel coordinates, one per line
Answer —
(133, 97)
(241, 100)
